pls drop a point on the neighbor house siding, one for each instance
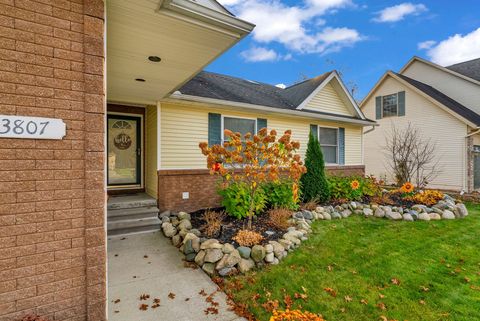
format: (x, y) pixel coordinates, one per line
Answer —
(328, 100)
(433, 122)
(183, 127)
(463, 91)
(151, 140)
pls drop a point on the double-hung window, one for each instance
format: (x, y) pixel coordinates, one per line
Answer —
(328, 138)
(390, 105)
(241, 125)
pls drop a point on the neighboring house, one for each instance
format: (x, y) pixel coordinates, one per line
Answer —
(444, 104)
(209, 103)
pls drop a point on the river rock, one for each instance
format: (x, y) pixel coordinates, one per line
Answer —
(246, 265)
(435, 216)
(168, 229)
(367, 211)
(244, 251)
(336, 216)
(379, 212)
(184, 216)
(258, 253)
(213, 255)
(424, 216)
(269, 248)
(437, 210)
(346, 213)
(407, 217)
(227, 271)
(327, 216)
(200, 258)
(209, 268)
(394, 216)
(184, 225)
(307, 215)
(461, 210)
(448, 215)
(188, 248)
(228, 248)
(211, 244)
(176, 240)
(269, 257)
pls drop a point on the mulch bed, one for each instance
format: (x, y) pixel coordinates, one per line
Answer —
(231, 226)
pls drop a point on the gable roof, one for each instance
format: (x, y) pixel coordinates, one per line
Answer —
(434, 65)
(469, 68)
(443, 99)
(213, 85)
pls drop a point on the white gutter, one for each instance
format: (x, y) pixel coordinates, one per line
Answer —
(293, 112)
(205, 14)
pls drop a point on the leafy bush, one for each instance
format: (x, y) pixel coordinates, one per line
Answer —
(247, 238)
(428, 197)
(213, 222)
(237, 200)
(278, 218)
(353, 188)
(281, 194)
(314, 183)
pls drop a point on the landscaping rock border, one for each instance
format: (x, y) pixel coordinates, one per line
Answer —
(224, 259)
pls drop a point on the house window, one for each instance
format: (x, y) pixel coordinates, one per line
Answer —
(390, 105)
(328, 138)
(241, 125)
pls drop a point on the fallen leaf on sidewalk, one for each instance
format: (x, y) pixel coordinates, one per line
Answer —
(144, 296)
(143, 307)
(171, 295)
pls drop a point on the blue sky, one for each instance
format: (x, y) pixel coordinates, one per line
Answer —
(361, 39)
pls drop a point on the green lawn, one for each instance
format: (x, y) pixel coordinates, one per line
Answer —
(437, 265)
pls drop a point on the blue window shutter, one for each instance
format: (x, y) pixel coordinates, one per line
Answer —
(314, 130)
(378, 107)
(401, 103)
(214, 129)
(261, 123)
(341, 146)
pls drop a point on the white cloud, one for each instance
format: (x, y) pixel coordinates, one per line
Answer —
(426, 44)
(282, 86)
(299, 28)
(256, 54)
(399, 12)
(456, 48)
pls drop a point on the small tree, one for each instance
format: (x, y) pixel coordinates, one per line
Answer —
(314, 183)
(411, 157)
(254, 159)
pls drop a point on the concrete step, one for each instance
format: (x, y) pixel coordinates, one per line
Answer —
(132, 213)
(130, 201)
(132, 223)
(134, 230)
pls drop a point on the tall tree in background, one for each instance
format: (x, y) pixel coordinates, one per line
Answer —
(314, 183)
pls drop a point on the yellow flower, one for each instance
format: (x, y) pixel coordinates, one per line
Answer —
(355, 184)
(407, 187)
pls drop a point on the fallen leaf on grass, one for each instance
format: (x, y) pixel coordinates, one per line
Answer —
(287, 299)
(473, 287)
(171, 295)
(144, 297)
(381, 296)
(331, 291)
(143, 307)
(395, 281)
(383, 318)
(270, 305)
(347, 298)
(329, 268)
(381, 306)
(255, 297)
(422, 302)
(363, 301)
(302, 296)
(467, 280)
(424, 289)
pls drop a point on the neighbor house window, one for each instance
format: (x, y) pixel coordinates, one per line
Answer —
(240, 125)
(328, 138)
(390, 105)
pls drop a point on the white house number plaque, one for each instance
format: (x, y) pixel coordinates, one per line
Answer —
(31, 127)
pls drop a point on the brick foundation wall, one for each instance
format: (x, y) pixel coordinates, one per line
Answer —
(52, 193)
(202, 187)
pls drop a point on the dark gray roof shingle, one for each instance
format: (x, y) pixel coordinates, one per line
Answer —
(213, 85)
(450, 103)
(469, 68)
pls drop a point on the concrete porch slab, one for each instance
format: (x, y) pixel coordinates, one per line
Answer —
(131, 274)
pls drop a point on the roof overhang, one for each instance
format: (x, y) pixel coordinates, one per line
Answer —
(186, 35)
(419, 92)
(218, 103)
(343, 92)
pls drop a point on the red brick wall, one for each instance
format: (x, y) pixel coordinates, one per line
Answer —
(52, 195)
(202, 187)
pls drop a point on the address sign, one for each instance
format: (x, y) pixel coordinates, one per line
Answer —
(31, 127)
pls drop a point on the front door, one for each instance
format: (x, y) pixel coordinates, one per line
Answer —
(124, 151)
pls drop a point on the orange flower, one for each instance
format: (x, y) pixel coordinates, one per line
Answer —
(355, 184)
(407, 187)
(216, 167)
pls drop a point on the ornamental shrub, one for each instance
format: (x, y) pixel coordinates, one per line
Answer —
(314, 183)
(353, 188)
(237, 200)
(281, 194)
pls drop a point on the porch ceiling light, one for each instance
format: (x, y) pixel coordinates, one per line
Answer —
(154, 58)
(140, 79)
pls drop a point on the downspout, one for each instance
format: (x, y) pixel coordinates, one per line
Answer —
(467, 179)
(370, 130)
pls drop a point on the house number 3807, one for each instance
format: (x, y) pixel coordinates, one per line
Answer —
(31, 127)
(19, 127)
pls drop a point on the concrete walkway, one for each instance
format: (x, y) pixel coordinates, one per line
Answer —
(131, 274)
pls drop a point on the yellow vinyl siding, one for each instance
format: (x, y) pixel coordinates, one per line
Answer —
(151, 179)
(446, 131)
(183, 127)
(328, 101)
